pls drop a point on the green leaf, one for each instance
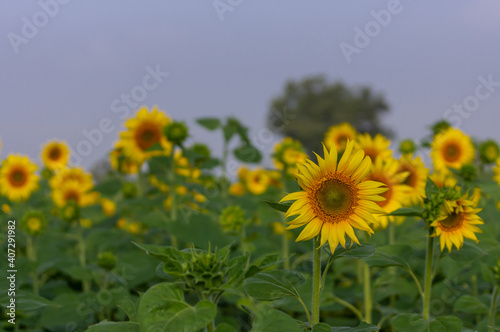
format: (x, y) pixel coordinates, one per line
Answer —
(225, 327)
(354, 251)
(162, 308)
(274, 321)
(391, 255)
(209, 123)
(27, 301)
(407, 212)
(322, 327)
(106, 326)
(362, 327)
(430, 188)
(163, 253)
(234, 126)
(468, 253)
(446, 324)
(470, 304)
(130, 308)
(247, 153)
(109, 187)
(410, 323)
(282, 207)
(274, 285)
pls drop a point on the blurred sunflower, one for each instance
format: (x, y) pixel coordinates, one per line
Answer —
(237, 189)
(443, 179)
(335, 199)
(416, 179)
(287, 154)
(496, 170)
(75, 174)
(338, 135)
(386, 172)
(17, 178)
(72, 191)
(257, 181)
(34, 223)
(458, 219)
(55, 155)
(489, 151)
(144, 131)
(120, 162)
(451, 148)
(374, 147)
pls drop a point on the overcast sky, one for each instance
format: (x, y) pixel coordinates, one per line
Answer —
(63, 72)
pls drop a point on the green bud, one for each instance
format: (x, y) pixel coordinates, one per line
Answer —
(407, 146)
(106, 260)
(129, 190)
(468, 172)
(439, 127)
(232, 218)
(489, 151)
(176, 132)
(34, 223)
(70, 211)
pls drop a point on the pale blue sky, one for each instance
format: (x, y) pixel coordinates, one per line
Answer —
(65, 76)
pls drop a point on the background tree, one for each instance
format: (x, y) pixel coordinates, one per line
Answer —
(309, 107)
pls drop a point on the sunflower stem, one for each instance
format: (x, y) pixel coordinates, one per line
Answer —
(285, 250)
(173, 206)
(493, 307)
(316, 295)
(31, 253)
(367, 289)
(82, 256)
(428, 276)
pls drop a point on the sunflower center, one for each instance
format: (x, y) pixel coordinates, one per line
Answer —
(371, 152)
(72, 195)
(147, 135)
(388, 194)
(453, 220)
(334, 198)
(411, 179)
(451, 152)
(34, 224)
(55, 154)
(342, 140)
(18, 177)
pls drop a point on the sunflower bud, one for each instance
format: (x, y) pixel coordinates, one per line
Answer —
(202, 151)
(176, 132)
(70, 211)
(232, 218)
(106, 260)
(439, 127)
(129, 190)
(468, 172)
(34, 223)
(407, 146)
(489, 151)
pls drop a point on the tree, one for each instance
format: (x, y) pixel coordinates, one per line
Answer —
(309, 107)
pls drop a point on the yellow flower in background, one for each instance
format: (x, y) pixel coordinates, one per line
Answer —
(237, 189)
(338, 135)
(458, 219)
(72, 191)
(374, 147)
(121, 223)
(108, 207)
(199, 198)
(451, 148)
(386, 172)
(17, 178)
(181, 190)
(158, 184)
(335, 198)
(73, 174)
(287, 154)
(55, 155)
(443, 179)
(232, 219)
(34, 223)
(143, 131)
(496, 170)
(6, 208)
(120, 162)
(278, 228)
(416, 179)
(257, 181)
(134, 227)
(86, 223)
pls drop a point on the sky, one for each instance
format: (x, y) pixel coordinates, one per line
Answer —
(67, 65)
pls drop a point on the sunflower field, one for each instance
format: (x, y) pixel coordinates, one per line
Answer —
(365, 235)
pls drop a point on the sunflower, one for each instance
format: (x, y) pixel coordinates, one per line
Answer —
(287, 154)
(17, 178)
(387, 173)
(489, 151)
(237, 189)
(72, 191)
(76, 174)
(257, 181)
(496, 170)
(374, 147)
(122, 163)
(143, 132)
(458, 219)
(451, 148)
(34, 223)
(416, 179)
(55, 155)
(335, 198)
(338, 135)
(443, 179)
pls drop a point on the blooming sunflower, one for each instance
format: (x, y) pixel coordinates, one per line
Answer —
(416, 179)
(443, 179)
(17, 178)
(120, 162)
(72, 191)
(496, 170)
(144, 131)
(287, 154)
(387, 173)
(76, 174)
(257, 181)
(451, 148)
(34, 223)
(338, 135)
(55, 155)
(335, 198)
(374, 147)
(458, 219)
